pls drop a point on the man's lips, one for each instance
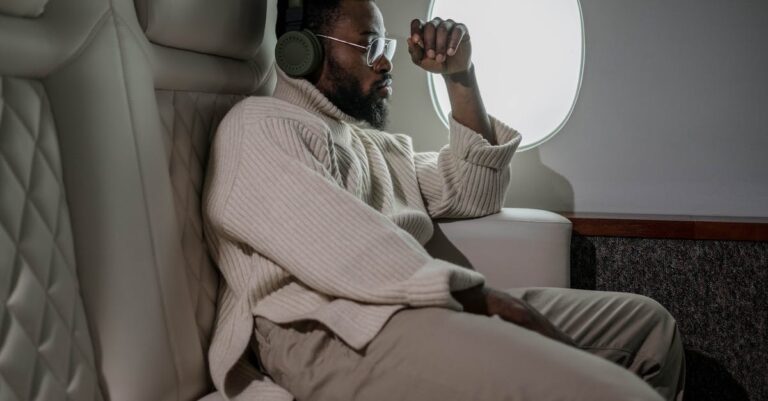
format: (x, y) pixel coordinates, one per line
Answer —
(385, 88)
(384, 83)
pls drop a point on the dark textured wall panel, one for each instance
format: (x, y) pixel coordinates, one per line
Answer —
(715, 289)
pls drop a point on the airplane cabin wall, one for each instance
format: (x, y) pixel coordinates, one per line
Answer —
(672, 116)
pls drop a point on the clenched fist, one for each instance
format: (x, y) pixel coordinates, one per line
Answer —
(440, 46)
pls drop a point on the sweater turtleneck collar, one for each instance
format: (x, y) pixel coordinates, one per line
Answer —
(305, 95)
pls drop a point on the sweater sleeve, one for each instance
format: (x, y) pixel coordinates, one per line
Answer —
(284, 204)
(469, 176)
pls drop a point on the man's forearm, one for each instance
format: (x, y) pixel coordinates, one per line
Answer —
(467, 104)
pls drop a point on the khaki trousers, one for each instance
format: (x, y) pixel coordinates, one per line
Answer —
(629, 348)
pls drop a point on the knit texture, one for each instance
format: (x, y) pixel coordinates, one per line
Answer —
(310, 214)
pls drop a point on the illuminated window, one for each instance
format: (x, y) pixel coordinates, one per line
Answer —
(528, 56)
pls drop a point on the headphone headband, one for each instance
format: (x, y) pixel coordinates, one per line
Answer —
(294, 15)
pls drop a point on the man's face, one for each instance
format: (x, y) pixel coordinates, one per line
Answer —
(346, 79)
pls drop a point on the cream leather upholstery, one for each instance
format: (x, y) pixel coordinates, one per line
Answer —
(46, 351)
(513, 248)
(128, 166)
(45, 347)
(133, 93)
(191, 107)
(23, 8)
(222, 28)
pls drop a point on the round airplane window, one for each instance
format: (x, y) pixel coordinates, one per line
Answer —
(529, 57)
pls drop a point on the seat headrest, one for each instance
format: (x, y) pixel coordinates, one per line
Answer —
(229, 28)
(23, 8)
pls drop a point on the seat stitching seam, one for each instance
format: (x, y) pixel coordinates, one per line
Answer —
(205, 130)
(13, 390)
(74, 344)
(17, 176)
(194, 155)
(49, 300)
(19, 255)
(180, 161)
(185, 223)
(186, 206)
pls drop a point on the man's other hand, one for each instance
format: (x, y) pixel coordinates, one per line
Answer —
(488, 301)
(440, 46)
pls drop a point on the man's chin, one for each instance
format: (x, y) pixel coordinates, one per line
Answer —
(379, 119)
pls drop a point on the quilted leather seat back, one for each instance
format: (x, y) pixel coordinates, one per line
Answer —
(45, 347)
(206, 56)
(82, 69)
(46, 351)
(133, 119)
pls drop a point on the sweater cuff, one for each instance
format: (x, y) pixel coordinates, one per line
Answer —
(434, 282)
(470, 145)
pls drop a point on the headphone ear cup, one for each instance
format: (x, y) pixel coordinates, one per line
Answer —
(298, 53)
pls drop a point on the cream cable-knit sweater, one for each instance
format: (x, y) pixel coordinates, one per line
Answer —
(309, 215)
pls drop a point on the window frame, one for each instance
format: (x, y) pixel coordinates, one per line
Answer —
(523, 147)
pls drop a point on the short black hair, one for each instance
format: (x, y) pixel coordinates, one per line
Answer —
(319, 15)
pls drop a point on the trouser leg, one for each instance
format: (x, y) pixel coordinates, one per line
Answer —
(436, 354)
(631, 330)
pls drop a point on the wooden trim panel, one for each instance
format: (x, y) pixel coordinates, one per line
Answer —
(676, 227)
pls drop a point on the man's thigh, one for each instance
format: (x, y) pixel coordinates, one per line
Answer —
(628, 329)
(437, 354)
(600, 319)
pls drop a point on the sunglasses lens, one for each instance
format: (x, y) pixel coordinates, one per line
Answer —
(381, 47)
(389, 49)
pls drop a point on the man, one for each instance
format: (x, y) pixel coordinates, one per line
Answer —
(317, 220)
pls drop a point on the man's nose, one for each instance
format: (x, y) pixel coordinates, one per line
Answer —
(382, 64)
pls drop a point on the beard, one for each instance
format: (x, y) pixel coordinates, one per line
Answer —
(348, 96)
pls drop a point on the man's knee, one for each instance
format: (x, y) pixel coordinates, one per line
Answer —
(657, 319)
(663, 347)
(653, 308)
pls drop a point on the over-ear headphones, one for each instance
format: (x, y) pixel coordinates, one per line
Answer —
(298, 51)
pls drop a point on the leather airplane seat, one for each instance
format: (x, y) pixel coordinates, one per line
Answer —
(132, 119)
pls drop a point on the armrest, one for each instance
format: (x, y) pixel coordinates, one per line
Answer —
(512, 248)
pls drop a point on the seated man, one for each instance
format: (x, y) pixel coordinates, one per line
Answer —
(317, 220)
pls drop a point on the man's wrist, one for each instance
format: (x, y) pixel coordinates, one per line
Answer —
(473, 300)
(463, 78)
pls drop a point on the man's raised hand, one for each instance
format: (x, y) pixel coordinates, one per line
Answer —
(440, 46)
